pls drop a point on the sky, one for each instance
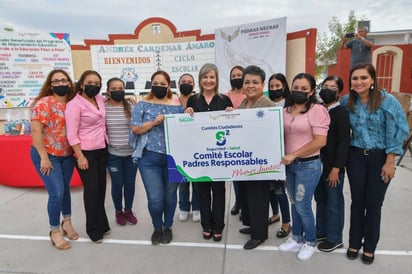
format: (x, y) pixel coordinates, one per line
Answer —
(95, 19)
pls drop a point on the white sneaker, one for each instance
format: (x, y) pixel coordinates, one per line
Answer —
(183, 215)
(290, 245)
(196, 216)
(306, 252)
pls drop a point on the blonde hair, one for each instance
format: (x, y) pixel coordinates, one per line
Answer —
(205, 69)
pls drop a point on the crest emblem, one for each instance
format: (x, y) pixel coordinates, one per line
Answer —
(230, 37)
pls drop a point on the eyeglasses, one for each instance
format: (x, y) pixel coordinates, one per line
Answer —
(57, 81)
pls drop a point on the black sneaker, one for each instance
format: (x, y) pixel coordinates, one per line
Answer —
(320, 239)
(167, 236)
(327, 246)
(156, 237)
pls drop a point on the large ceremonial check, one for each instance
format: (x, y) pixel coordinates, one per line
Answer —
(243, 145)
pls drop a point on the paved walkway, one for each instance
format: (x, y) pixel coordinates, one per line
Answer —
(25, 246)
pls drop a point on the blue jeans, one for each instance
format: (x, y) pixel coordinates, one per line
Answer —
(161, 195)
(122, 171)
(330, 209)
(279, 198)
(184, 195)
(57, 184)
(301, 181)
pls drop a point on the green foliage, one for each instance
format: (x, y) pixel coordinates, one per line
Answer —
(327, 44)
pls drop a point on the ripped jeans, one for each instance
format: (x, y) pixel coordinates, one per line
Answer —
(301, 181)
(122, 171)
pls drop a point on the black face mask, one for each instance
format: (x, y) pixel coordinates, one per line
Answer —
(275, 94)
(61, 90)
(328, 96)
(237, 83)
(186, 89)
(299, 97)
(91, 90)
(159, 92)
(117, 95)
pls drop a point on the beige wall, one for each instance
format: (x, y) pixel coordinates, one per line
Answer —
(81, 61)
(295, 56)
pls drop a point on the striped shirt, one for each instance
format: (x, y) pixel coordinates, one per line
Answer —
(117, 126)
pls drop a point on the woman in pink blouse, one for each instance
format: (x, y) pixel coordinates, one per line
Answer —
(306, 125)
(86, 133)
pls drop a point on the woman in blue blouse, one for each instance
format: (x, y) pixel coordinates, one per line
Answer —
(379, 128)
(147, 124)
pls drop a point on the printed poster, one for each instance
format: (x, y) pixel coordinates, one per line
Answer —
(25, 61)
(239, 145)
(262, 44)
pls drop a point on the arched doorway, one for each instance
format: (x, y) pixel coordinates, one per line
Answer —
(388, 63)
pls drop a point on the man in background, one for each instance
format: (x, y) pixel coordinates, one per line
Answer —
(360, 46)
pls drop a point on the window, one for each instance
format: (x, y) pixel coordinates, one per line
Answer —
(156, 28)
(384, 69)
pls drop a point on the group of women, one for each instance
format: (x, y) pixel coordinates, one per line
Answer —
(73, 127)
(68, 119)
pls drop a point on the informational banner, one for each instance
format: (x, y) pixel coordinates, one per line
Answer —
(242, 145)
(261, 44)
(135, 63)
(25, 61)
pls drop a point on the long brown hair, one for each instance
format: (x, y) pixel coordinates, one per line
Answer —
(47, 90)
(126, 105)
(374, 96)
(169, 95)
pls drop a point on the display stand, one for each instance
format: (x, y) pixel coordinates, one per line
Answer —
(16, 167)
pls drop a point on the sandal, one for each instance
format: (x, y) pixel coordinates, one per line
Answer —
(207, 235)
(282, 233)
(217, 237)
(58, 241)
(69, 231)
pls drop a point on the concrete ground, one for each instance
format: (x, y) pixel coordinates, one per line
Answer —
(25, 246)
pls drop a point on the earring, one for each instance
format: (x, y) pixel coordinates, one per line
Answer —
(372, 87)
